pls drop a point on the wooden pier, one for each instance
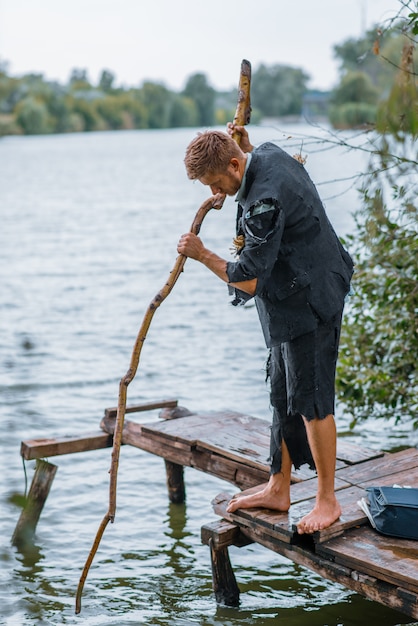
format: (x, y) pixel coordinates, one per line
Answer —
(234, 446)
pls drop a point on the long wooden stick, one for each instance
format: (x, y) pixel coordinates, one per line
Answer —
(242, 116)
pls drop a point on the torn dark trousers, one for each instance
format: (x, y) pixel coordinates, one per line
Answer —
(302, 379)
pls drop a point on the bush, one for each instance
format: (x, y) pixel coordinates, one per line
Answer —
(352, 115)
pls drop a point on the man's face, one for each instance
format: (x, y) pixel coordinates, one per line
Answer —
(227, 182)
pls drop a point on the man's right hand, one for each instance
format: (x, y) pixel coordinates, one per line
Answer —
(245, 144)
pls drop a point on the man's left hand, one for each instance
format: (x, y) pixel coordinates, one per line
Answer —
(191, 246)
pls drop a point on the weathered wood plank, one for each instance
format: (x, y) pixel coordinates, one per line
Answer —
(376, 469)
(387, 558)
(275, 524)
(47, 447)
(144, 406)
(307, 489)
(351, 453)
(283, 525)
(223, 534)
(238, 436)
(407, 477)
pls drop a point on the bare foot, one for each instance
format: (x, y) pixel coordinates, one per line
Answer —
(266, 498)
(323, 514)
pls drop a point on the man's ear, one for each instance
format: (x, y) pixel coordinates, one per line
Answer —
(234, 163)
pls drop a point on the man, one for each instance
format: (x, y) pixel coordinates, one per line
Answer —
(293, 264)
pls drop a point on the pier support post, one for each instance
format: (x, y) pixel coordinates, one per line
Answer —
(224, 583)
(175, 482)
(218, 536)
(38, 493)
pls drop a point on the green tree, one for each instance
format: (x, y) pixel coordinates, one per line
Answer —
(359, 54)
(278, 90)
(354, 101)
(33, 117)
(355, 87)
(156, 99)
(79, 79)
(198, 89)
(399, 113)
(183, 112)
(106, 81)
(86, 112)
(377, 372)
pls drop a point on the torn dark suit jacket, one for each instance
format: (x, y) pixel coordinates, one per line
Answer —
(303, 272)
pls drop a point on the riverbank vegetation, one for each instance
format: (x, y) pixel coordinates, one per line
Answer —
(31, 104)
(377, 373)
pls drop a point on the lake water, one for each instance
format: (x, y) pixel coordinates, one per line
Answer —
(88, 233)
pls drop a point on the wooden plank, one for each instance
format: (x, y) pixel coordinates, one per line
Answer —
(272, 523)
(145, 406)
(47, 447)
(352, 453)
(407, 478)
(376, 469)
(215, 465)
(238, 436)
(135, 435)
(170, 453)
(250, 477)
(283, 525)
(223, 534)
(386, 558)
(308, 488)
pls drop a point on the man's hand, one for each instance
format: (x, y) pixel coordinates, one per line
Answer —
(191, 246)
(245, 144)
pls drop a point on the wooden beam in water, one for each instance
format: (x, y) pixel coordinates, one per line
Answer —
(38, 493)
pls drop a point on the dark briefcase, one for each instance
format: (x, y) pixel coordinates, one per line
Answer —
(394, 511)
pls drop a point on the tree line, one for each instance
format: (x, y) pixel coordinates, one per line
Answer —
(32, 105)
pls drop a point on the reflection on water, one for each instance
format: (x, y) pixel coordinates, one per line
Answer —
(89, 230)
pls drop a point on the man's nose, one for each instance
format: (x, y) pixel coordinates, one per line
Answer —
(215, 189)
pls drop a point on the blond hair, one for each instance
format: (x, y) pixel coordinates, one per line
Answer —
(210, 153)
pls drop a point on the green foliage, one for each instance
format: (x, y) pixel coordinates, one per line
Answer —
(183, 112)
(399, 113)
(80, 106)
(356, 54)
(378, 371)
(352, 115)
(198, 90)
(32, 116)
(369, 67)
(278, 90)
(355, 87)
(156, 99)
(353, 102)
(106, 81)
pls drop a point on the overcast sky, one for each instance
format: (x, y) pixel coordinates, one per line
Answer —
(169, 40)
